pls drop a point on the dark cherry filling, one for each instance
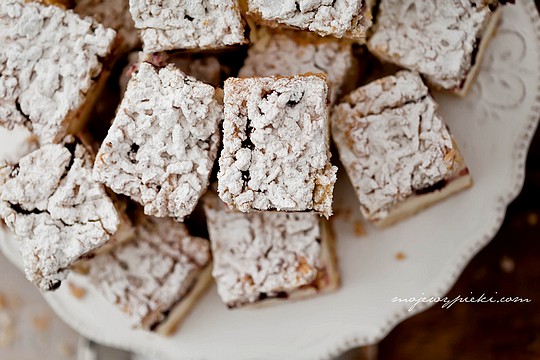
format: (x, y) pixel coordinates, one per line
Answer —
(278, 295)
(435, 187)
(441, 184)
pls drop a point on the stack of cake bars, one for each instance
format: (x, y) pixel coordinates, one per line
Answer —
(115, 211)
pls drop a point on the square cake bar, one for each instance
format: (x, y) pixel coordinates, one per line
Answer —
(113, 14)
(161, 147)
(57, 212)
(396, 149)
(443, 40)
(181, 24)
(53, 65)
(340, 18)
(276, 145)
(269, 255)
(157, 277)
(289, 53)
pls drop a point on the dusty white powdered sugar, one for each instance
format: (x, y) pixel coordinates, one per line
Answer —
(205, 68)
(340, 18)
(187, 24)
(259, 255)
(435, 38)
(57, 212)
(49, 59)
(162, 144)
(275, 145)
(149, 275)
(113, 14)
(289, 53)
(391, 141)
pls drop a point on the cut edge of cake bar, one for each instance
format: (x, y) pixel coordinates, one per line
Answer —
(487, 36)
(327, 279)
(182, 309)
(458, 177)
(459, 181)
(415, 204)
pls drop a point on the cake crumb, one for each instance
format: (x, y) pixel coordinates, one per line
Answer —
(400, 256)
(359, 228)
(532, 219)
(13, 301)
(66, 350)
(3, 304)
(507, 264)
(347, 212)
(41, 322)
(7, 330)
(77, 291)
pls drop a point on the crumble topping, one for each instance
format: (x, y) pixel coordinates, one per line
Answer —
(292, 53)
(113, 14)
(162, 145)
(340, 18)
(205, 68)
(275, 147)
(180, 24)
(436, 38)
(58, 214)
(49, 59)
(148, 276)
(259, 255)
(392, 141)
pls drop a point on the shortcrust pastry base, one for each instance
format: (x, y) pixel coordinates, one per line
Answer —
(488, 35)
(179, 312)
(416, 203)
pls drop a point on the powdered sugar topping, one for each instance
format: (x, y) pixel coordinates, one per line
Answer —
(261, 254)
(179, 24)
(58, 214)
(49, 59)
(435, 38)
(163, 142)
(392, 142)
(340, 18)
(260, 167)
(113, 14)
